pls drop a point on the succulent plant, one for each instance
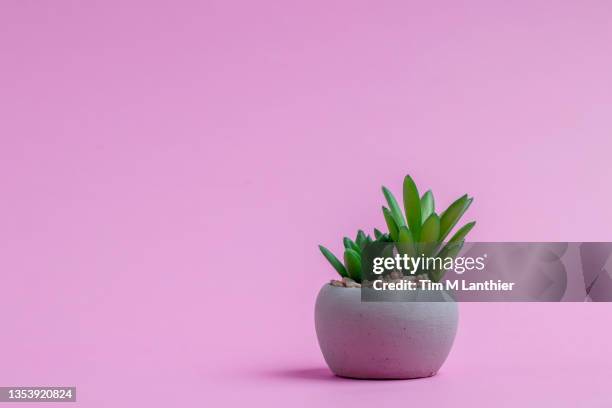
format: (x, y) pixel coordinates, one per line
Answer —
(416, 229)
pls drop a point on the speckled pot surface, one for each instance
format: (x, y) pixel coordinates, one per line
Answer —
(383, 340)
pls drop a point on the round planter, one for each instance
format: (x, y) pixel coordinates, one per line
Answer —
(383, 340)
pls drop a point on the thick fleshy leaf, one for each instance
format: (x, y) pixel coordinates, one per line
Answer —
(348, 243)
(462, 232)
(430, 232)
(429, 235)
(396, 211)
(384, 238)
(335, 262)
(453, 213)
(412, 207)
(406, 242)
(449, 251)
(405, 235)
(352, 260)
(360, 240)
(391, 224)
(427, 205)
(377, 233)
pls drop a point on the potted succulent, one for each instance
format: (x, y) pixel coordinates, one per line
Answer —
(391, 340)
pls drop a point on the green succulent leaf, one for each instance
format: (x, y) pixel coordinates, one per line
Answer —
(435, 275)
(377, 233)
(348, 243)
(394, 207)
(404, 235)
(391, 224)
(412, 207)
(462, 233)
(384, 238)
(360, 240)
(429, 235)
(352, 260)
(430, 231)
(449, 251)
(453, 213)
(335, 262)
(427, 205)
(406, 242)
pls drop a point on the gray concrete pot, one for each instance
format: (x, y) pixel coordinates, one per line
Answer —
(383, 340)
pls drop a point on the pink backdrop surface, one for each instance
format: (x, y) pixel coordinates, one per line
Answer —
(168, 169)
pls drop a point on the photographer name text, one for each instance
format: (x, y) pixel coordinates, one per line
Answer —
(458, 284)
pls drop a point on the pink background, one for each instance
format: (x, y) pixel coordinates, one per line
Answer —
(168, 169)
